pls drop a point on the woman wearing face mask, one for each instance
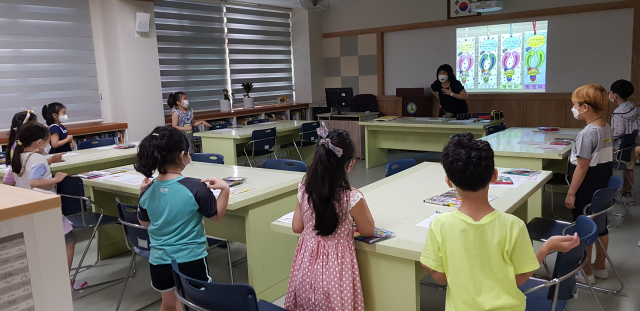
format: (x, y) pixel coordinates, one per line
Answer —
(182, 116)
(450, 92)
(55, 114)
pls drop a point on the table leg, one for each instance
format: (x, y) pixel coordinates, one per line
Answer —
(223, 146)
(374, 156)
(389, 283)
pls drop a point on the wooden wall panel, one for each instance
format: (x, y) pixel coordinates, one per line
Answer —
(390, 105)
(571, 122)
(476, 106)
(546, 112)
(514, 111)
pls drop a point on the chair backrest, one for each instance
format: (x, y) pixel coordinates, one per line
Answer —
(139, 237)
(615, 182)
(208, 158)
(569, 261)
(73, 186)
(285, 165)
(308, 131)
(256, 121)
(214, 296)
(627, 143)
(264, 139)
(495, 128)
(95, 143)
(398, 166)
(365, 102)
(219, 126)
(480, 114)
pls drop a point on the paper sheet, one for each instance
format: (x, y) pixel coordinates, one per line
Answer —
(551, 147)
(70, 154)
(427, 222)
(124, 178)
(104, 147)
(288, 218)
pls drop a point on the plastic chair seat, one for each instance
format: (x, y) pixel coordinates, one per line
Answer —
(211, 242)
(91, 219)
(144, 253)
(538, 300)
(540, 229)
(267, 306)
(300, 144)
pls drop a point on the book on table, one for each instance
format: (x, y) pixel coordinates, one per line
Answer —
(378, 235)
(387, 118)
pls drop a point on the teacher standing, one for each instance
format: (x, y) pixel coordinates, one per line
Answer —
(450, 92)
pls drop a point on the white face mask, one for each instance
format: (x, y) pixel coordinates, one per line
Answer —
(443, 78)
(63, 118)
(185, 103)
(575, 112)
(612, 98)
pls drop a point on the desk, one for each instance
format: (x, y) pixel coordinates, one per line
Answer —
(390, 270)
(414, 134)
(348, 121)
(90, 160)
(229, 142)
(34, 262)
(510, 151)
(247, 220)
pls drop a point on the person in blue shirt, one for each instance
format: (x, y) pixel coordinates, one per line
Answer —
(55, 114)
(172, 207)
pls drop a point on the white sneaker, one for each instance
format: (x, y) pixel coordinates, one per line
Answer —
(601, 274)
(626, 199)
(590, 278)
(80, 285)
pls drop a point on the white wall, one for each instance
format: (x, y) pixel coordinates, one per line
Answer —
(128, 67)
(308, 61)
(360, 14)
(579, 51)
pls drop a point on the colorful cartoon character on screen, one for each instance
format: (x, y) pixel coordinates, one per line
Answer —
(465, 62)
(510, 61)
(487, 62)
(533, 71)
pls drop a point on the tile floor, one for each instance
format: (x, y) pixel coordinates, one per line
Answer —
(623, 250)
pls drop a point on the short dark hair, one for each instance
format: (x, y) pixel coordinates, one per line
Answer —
(623, 88)
(468, 162)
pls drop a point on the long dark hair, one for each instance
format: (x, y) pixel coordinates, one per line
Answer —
(174, 98)
(49, 110)
(27, 135)
(160, 149)
(449, 70)
(327, 179)
(16, 123)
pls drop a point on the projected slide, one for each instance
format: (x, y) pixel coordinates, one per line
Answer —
(503, 58)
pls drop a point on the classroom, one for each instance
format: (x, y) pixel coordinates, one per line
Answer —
(427, 155)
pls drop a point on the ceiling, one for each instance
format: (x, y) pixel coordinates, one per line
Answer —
(289, 3)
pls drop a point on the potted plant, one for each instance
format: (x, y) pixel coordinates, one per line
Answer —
(225, 104)
(248, 100)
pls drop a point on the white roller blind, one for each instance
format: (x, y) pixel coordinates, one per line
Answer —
(192, 52)
(46, 55)
(259, 44)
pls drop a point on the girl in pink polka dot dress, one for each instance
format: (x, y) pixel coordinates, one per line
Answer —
(324, 274)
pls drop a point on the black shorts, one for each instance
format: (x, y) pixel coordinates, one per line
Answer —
(162, 275)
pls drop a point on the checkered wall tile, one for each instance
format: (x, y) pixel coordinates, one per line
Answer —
(351, 62)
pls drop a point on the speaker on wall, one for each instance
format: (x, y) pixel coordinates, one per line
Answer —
(142, 22)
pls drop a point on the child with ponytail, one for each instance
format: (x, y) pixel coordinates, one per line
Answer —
(182, 116)
(324, 273)
(55, 114)
(31, 170)
(172, 207)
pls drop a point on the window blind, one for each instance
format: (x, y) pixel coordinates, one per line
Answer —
(46, 55)
(192, 51)
(259, 43)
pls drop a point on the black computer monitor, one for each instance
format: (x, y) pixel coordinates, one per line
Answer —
(339, 97)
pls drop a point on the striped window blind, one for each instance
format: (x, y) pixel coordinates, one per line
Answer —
(259, 44)
(192, 51)
(46, 55)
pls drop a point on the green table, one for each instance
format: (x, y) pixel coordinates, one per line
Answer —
(518, 148)
(390, 270)
(419, 134)
(81, 161)
(231, 141)
(247, 220)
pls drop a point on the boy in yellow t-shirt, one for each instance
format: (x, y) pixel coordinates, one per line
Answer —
(483, 255)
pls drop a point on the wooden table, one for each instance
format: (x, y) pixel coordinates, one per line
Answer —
(390, 270)
(34, 261)
(414, 134)
(515, 148)
(348, 121)
(231, 141)
(247, 219)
